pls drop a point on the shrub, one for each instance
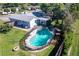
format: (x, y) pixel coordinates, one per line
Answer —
(21, 10)
(6, 10)
(68, 42)
(4, 28)
(13, 10)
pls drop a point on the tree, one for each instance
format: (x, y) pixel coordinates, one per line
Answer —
(44, 7)
(57, 13)
(4, 27)
(69, 19)
(23, 6)
(74, 10)
(21, 10)
(68, 29)
(9, 5)
(54, 11)
(6, 10)
(33, 4)
(13, 10)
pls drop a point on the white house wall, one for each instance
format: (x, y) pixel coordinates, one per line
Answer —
(32, 23)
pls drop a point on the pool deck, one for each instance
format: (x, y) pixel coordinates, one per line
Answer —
(40, 49)
(29, 46)
(28, 39)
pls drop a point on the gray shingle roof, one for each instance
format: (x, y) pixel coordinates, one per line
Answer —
(24, 17)
(28, 16)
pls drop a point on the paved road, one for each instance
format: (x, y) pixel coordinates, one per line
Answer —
(4, 17)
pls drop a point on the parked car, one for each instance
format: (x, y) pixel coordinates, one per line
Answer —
(4, 13)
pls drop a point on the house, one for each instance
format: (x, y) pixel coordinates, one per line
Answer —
(29, 20)
(33, 7)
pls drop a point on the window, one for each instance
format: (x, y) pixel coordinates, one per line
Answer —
(37, 22)
(22, 24)
(40, 22)
(43, 22)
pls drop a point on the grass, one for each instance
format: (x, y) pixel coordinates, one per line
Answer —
(1, 22)
(45, 52)
(53, 23)
(72, 40)
(75, 42)
(11, 39)
(67, 42)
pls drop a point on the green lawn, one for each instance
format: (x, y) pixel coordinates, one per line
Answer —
(1, 22)
(11, 39)
(75, 42)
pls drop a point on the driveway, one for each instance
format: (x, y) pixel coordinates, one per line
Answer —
(5, 17)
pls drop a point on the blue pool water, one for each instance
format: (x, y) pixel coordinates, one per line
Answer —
(41, 37)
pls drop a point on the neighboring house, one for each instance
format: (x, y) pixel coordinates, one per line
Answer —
(33, 7)
(29, 20)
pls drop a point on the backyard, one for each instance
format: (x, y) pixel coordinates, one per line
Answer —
(11, 39)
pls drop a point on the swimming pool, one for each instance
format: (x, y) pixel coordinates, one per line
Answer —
(41, 37)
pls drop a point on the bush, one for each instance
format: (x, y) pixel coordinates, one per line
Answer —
(13, 10)
(6, 10)
(21, 10)
(5, 28)
(68, 42)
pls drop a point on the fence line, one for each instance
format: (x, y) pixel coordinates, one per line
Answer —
(59, 51)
